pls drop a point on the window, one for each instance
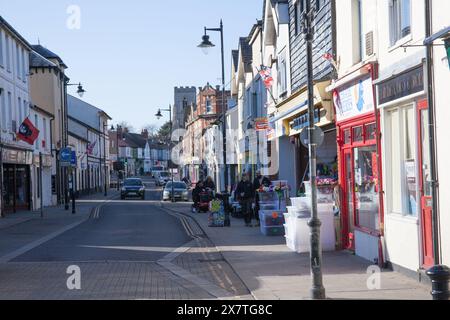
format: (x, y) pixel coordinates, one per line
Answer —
(400, 19)
(299, 9)
(19, 109)
(44, 125)
(36, 124)
(8, 53)
(24, 66)
(3, 108)
(2, 64)
(18, 60)
(402, 172)
(208, 105)
(9, 108)
(282, 74)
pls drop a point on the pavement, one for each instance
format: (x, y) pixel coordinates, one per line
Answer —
(136, 249)
(271, 271)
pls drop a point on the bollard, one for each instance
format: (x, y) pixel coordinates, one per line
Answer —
(440, 277)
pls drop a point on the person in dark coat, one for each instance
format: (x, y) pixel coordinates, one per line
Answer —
(259, 181)
(245, 195)
(196, 193)
(209, 184)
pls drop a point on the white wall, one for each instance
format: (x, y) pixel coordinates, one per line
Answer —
(441, 9)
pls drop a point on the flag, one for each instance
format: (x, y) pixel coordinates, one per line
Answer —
(90, 148)
(28, 132)
(266, 75)
(328, 56)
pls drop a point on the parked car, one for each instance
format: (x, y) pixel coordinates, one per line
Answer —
(156, 170)
(180, 191)
(162, 178)
(133, 187)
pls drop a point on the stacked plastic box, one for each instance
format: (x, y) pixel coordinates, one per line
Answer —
(272, 222)
(272, 206)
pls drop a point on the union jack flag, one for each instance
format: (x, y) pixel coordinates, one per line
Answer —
(90, 148)
(266, 75)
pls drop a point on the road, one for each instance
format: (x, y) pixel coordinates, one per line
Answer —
(129, 249)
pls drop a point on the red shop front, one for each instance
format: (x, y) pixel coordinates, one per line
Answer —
(360, 168)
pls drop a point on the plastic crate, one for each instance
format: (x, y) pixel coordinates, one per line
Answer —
(272, 230)
(271, 218)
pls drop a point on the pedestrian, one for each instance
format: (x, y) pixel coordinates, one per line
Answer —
(245, 195)
(260, 181)
(196, 195)
(209, 183)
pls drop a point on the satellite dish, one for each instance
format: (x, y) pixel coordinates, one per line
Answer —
(317, 136)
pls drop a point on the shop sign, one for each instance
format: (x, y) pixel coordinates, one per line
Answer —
(261, 124)
(404, 85)
(17, 157)
(354, 100)
(276, 130)
(303, 121)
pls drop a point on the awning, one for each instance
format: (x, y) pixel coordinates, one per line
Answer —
(291, 112)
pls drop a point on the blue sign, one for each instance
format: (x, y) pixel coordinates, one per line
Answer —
(65, 155)
(73, 160)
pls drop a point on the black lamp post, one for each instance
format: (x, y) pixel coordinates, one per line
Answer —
(317, 290)
(104, 158)
(206, 45)
(159, 116)
(80, 92)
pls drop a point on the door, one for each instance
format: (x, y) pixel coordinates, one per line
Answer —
(425, 186)
(22, 188)
(348, 197)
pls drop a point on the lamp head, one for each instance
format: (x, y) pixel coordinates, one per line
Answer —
(206, 44)
(81, 91)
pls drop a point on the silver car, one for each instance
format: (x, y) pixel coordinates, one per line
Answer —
(180, 191)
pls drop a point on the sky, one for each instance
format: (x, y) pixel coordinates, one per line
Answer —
(129, 55)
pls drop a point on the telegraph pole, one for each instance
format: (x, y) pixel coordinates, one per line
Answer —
(317, 290)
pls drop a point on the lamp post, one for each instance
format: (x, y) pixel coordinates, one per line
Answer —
(205, 46)
(317, 290)
(1, 170)
(159, 116)
(104, 158)
(80, 92)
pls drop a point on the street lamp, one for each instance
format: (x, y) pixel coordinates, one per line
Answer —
(206, 45)
(104, 159)
(80, 92)
(159, 115)
(317, 290)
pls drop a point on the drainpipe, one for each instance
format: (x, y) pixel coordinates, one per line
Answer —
(431, 126)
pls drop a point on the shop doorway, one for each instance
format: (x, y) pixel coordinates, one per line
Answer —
(425, 185)
(16, 194)
(359, 181)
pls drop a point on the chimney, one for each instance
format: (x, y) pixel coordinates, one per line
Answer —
(144, 134)
(217, 88)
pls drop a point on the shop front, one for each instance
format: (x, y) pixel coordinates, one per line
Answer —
(408, 205)
(359, 168)
(287, 127)
(16, 180)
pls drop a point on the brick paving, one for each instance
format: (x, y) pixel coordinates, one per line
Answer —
(99, 281)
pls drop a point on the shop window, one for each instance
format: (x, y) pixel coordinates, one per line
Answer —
(402, 180)
(371, 131)
(366, 193)
(358, 134)
(347, 137)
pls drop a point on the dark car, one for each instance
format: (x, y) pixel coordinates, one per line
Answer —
(133, 187)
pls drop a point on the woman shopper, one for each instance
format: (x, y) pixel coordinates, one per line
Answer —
(245, 195)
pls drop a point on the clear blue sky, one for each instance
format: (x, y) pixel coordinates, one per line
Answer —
(130, 54)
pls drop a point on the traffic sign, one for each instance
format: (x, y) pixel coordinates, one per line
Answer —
(65, 157)
(73, 160)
